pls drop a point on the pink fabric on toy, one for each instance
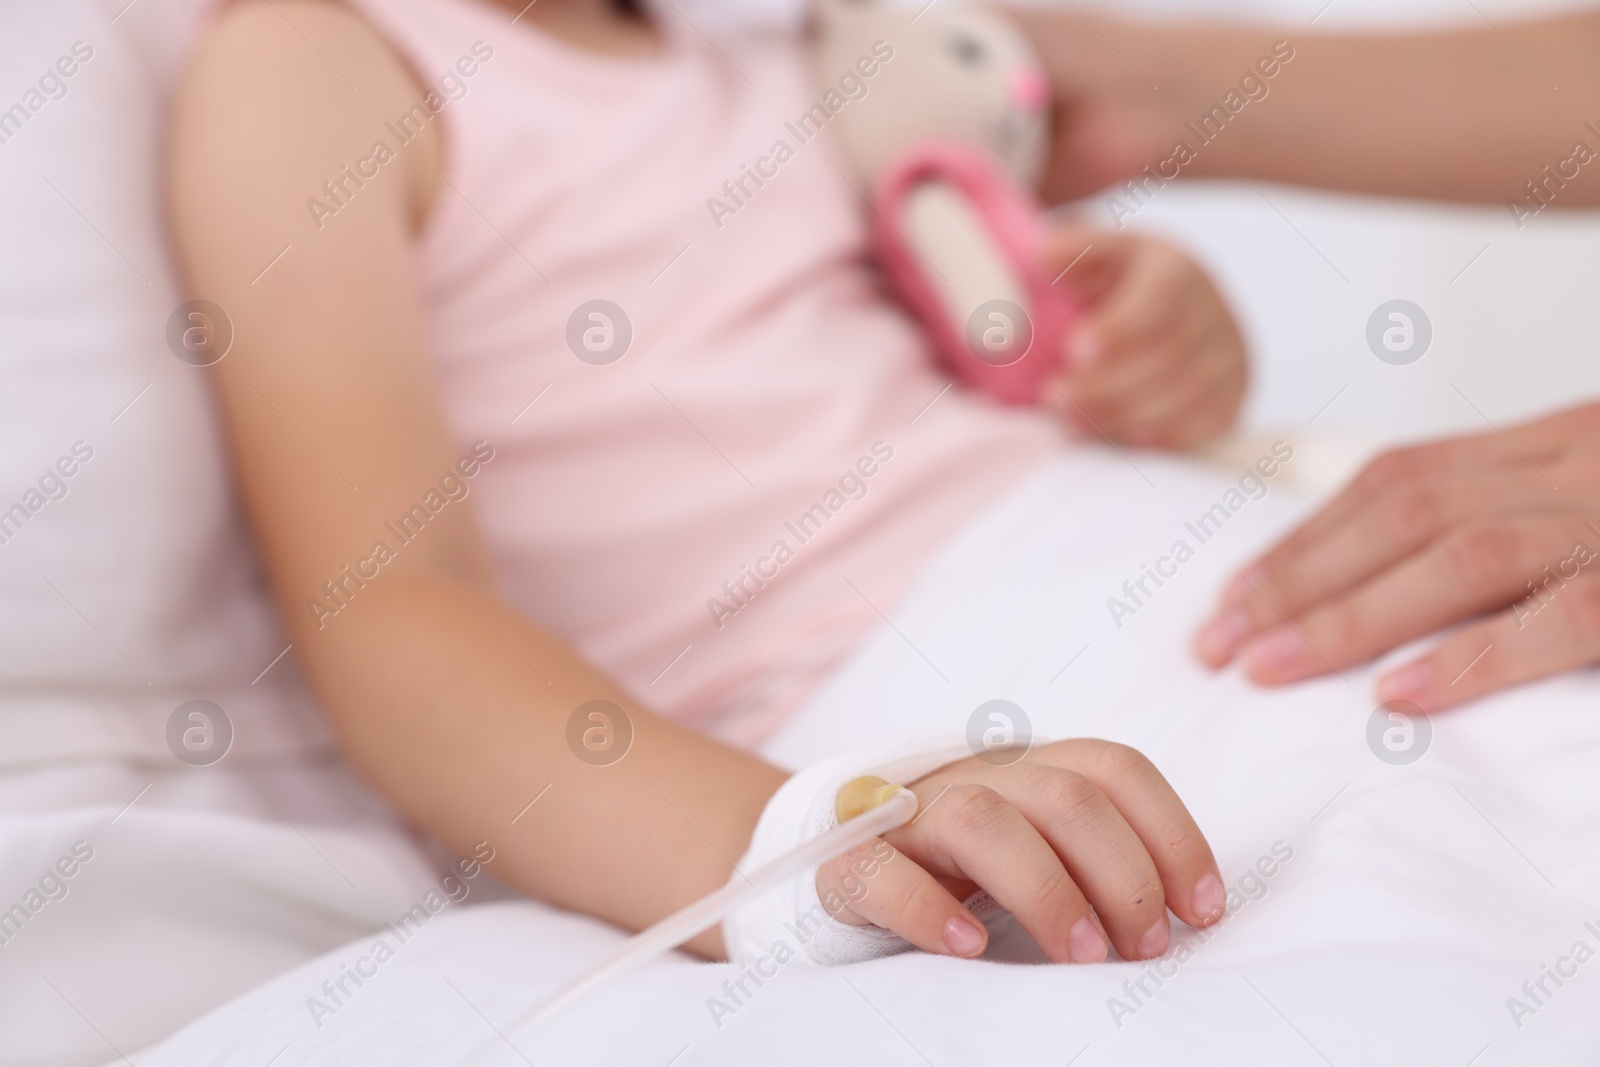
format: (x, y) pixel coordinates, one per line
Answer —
(1015, 221)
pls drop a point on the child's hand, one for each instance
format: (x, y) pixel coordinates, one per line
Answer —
(1156, 359)
(1070, 825)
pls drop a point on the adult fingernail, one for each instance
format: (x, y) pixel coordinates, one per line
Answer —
(1154, 941)
(1209, 898)
(1276, 653)
(1243, 585)
(1221, 636)
(1085, 944)
(962, 937)
(1407, 683)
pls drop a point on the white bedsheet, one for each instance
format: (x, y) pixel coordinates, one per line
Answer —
(1416, 901)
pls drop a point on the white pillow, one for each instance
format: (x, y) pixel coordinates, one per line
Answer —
(135, 589)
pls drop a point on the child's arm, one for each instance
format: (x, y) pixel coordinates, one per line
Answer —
(1469, 114)
(446, 698)
(451, 702)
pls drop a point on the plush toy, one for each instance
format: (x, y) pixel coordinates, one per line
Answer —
(947, 137)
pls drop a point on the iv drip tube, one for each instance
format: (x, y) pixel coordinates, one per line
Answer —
(882, 807)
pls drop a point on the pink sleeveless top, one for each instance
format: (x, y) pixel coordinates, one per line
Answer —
(713, 493)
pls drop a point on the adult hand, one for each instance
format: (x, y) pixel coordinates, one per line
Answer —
(1502, 526)
(1070, 826)
(1125, 91)
(1108, 120)
(1157, 358)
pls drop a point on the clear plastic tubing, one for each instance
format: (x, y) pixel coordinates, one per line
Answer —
(897, 808)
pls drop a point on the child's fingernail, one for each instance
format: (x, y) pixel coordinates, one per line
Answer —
(1220, 638)
(1209, 898)
(1407, 683)
(1084, 943)
(962, 937)
(1154, 941)
(1086, 348)
(1278, 653)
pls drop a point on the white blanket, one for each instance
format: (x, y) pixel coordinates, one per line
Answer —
(1381, 913)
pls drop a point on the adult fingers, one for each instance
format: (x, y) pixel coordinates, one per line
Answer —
(1478, 567)
(975, 833)
(878, 884)
(1393, 470)
(1388, 527)
(1152, 808)
(1554, 631)
(1554, 435)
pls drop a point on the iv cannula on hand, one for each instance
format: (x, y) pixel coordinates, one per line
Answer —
(867, 807)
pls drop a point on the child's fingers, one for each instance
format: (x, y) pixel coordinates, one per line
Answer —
(1195, 396)
(1102, 853)
(973, 832)
(1067, 245)
(1152, 808)
(1101, 389)
(1146, 304)
(1205, 419)
(1159, 377)
(1096, 265)
(899, 895)
(1120, 374)
(1132, 359)
(1168, 380)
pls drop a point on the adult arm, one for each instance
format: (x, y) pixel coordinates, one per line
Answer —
(1464, 114)
(1497, 529)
